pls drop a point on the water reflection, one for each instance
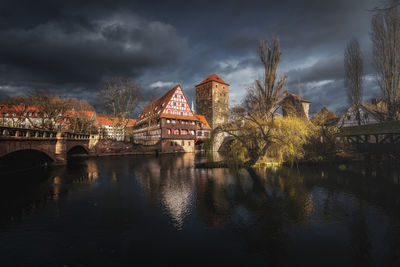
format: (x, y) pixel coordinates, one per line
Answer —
(23, 193)
(170, 181)
(326, 216)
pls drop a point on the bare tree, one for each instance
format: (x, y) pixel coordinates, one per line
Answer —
(81, 117)
(385, 36)
(18, 109)
(251, 123)
(387, 4)
(353, 76)
(120, 97)
(52, 109)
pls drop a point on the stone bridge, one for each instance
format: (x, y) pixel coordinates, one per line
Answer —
(54, 145)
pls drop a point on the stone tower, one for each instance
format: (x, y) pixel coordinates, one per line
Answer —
(212, 100)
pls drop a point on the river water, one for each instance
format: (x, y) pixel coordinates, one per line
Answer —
(158, 211)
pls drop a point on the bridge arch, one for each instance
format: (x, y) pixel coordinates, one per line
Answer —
(25, 158)
(77, 149)
(226, 144)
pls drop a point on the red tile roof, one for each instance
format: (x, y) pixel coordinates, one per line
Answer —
(131, 122)
(18, 108)
(203, 120)
(158, 105)
(213, 77)
(107, 119)
(80, 113)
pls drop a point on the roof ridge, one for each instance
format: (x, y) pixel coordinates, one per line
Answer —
(213, 77)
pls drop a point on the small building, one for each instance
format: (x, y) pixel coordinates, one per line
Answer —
(170, 124)
(20, 116)
(82, 121)
(370, 113)
(106, 123)
(294, 105)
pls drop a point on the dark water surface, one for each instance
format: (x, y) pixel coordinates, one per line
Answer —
(146, 211)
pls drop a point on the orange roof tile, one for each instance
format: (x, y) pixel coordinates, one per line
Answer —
(107, 119)
(79, 113)
(131, 122)
(213, 77)
(160, 103)
(203, 120)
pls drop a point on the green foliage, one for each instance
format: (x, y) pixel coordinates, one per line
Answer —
(324, 144)
(287, 137)
(208, 147)
(290, 135)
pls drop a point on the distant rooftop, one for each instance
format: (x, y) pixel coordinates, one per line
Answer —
(213, 77)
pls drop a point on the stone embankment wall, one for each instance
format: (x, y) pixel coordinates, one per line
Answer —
(110, 147)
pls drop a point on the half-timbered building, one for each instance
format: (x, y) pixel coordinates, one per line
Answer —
(170, 123)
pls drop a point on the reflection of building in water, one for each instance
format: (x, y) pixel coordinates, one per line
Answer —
(171, 182)
(176, 197)
(93, 172)
(213, 198)
(56, 188)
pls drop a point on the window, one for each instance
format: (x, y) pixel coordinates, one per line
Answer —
(348, 117)
(181, 113)
(189, 144)
(183, 143)
(168, 121)
(169, 131)
(171, 144)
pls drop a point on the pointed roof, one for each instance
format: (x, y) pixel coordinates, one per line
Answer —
(325, 117)
(159, 104)
(203, 120)
(288, 94)
(213, 77)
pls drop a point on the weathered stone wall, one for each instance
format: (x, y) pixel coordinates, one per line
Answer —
(212, 101)
(204, 101)
(220, 99)
(170, 146)
(45, 146)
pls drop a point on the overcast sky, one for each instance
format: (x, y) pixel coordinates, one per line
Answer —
(68, 47)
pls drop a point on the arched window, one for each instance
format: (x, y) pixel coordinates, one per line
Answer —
(169, 131)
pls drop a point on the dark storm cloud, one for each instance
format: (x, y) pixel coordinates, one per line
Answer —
(69, 46)
(59, 53)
